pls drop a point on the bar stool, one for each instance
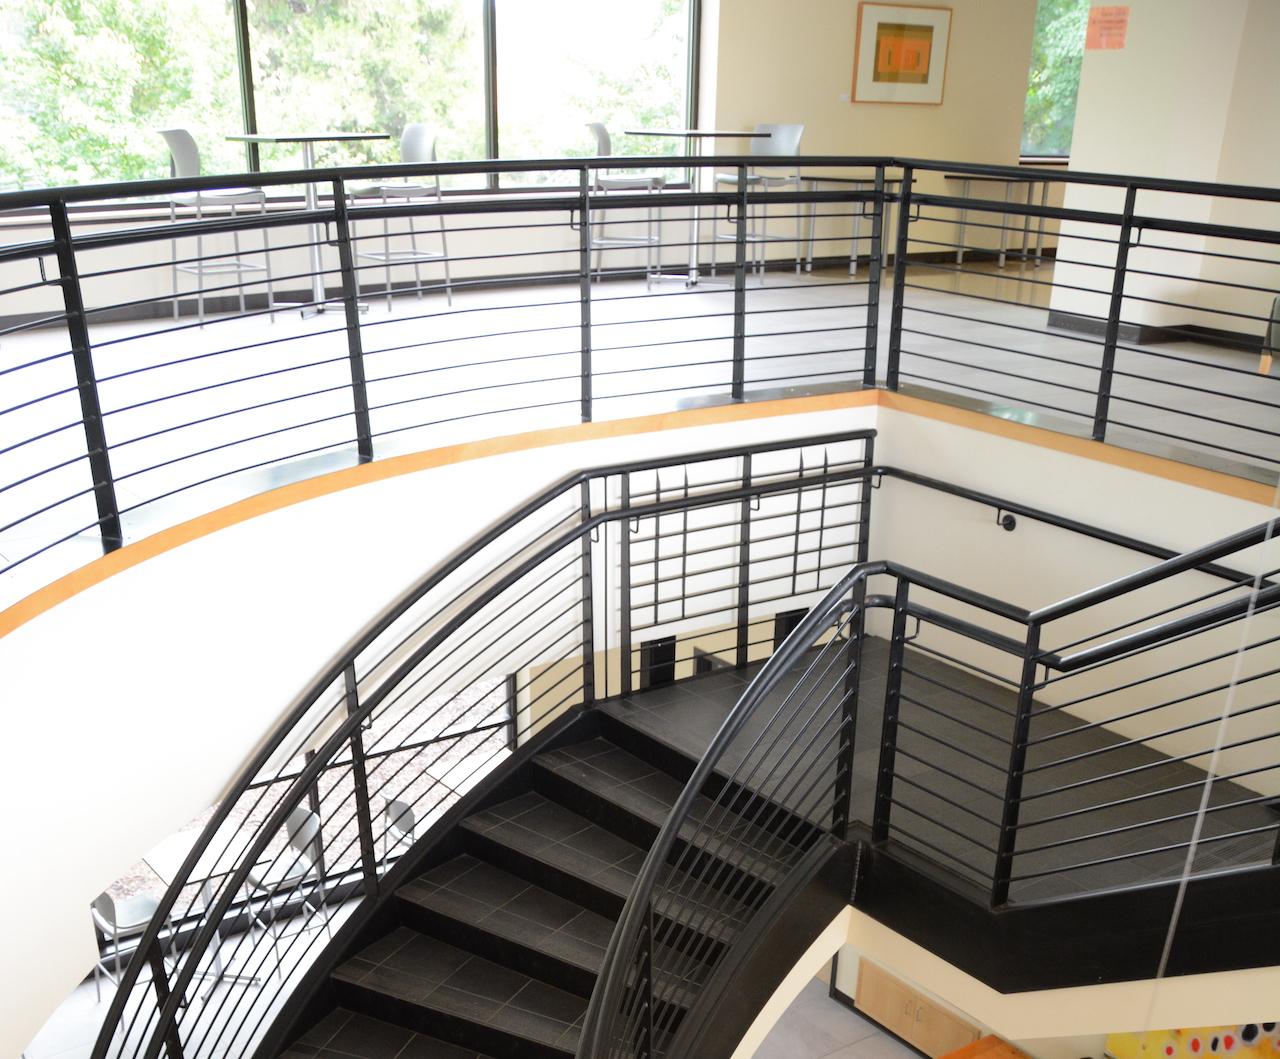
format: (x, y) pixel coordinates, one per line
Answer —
(417, 146)
(184, 158)
(604, 181)
(781, 141)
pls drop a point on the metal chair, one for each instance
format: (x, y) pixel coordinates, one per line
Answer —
(608, 180)
(118, 921)
(781, 141)
(417, 146)
(184, 157)
(286, 875)
(399, 824)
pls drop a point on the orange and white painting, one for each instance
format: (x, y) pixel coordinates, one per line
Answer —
(900, 55)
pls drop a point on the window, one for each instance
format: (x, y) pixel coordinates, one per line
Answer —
(85, 84)
(358, 67)
(563, 63)
(1056, 52)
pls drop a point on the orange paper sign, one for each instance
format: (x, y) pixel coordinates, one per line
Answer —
(1107, 27)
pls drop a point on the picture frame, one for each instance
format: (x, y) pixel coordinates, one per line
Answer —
(900, 53)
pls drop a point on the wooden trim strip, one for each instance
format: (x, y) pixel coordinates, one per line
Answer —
(1156, 466)
(165, 540)
(99, 570)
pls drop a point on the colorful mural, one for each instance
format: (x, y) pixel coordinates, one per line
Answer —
(1256, 1040)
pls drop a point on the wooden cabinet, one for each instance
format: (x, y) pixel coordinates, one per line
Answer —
(915, 1018)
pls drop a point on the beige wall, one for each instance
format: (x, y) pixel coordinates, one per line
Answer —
(1191, 96)
(765, 61)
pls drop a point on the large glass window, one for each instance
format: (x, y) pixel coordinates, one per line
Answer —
(85, 84)
(1054, 82)
(352, 66)
(563, 63)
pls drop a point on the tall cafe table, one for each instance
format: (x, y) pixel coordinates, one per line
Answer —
(696, 137)
(308, 141)
(166, 861)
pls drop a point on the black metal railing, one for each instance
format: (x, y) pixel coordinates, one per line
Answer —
(1007, 743)
(152, 373)
(437, 693)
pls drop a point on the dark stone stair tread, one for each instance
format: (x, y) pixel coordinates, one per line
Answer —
(545, 830)
(344, 1034)
(611, 773)
(423, 971)
(488, 898)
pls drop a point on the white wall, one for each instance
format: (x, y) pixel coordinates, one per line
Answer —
(1192, 95)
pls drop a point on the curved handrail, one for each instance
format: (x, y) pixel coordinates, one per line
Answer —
(604, 999)
(346, 657)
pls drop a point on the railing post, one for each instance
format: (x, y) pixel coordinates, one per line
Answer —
(588, 608)
(864, 508)
(849, 713)
(95, 434)
(360, 783)
(744, 567)
(351, 306)
(160, 981)
(1007, 838)
(740, 289)
(899, 279)
(647, 1048)
(873, 282)
(889, 730)
(1112, 333)
(624, 589)
(584, 289)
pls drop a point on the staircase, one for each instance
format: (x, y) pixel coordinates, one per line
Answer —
(494, 946)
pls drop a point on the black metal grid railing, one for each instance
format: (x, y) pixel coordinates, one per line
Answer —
(156, 366)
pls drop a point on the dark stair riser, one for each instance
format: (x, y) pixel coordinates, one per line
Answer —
(746, 887)
(447, 1026)
(500, 949)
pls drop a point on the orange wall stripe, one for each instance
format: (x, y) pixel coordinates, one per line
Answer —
(99, 570)
(1156, 466)
(109, 565)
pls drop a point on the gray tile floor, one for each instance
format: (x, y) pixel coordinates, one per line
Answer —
(815, 1026)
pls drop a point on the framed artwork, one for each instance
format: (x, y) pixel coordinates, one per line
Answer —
(900, 55)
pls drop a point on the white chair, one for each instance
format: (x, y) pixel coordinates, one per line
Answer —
(185, 162)
(780, 141)
(417, 146)
(286, 875)
(608, 180)
(399, 824)
(117, 921)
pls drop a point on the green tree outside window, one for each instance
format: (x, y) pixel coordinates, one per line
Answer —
(1054, 82)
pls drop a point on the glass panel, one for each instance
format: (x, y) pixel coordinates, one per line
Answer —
(85, 86)
(563, 63)
(342, 66)
(1054, 82)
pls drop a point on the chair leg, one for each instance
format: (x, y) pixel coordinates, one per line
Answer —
(97, 980)
(199, 264)
(799, 228)
(266, 264)
(444, 250)
(715, 233)
(173, 245)
(386, 250)
(235, 246)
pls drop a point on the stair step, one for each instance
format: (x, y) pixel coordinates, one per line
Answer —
(431, 986)
(479, 906)
(344, 1034)
(596, 866)
(608, 774)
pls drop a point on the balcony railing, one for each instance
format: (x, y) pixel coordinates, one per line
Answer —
(156, 366)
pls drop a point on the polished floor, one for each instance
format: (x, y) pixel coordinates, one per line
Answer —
(199, 416)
